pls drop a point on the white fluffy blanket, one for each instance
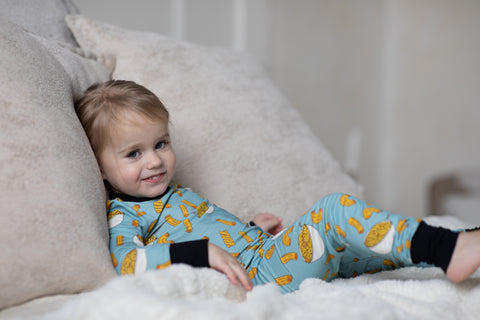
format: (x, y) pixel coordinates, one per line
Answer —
(183, 292)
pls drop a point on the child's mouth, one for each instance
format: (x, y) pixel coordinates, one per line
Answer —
(155, 178)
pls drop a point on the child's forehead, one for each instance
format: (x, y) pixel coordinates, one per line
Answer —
(135, 122)
(136, 118)
(124, 135)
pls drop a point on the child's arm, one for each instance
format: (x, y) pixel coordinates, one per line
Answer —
(132, 253)
(268, 222)
(224, 262)
(128, 249)
(129, 252)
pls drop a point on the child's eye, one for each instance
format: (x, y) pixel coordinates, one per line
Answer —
(133, 154)
(161, 145)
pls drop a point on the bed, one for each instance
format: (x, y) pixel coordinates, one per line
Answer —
(55, 259)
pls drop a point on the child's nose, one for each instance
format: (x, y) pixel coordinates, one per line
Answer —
(153, 160)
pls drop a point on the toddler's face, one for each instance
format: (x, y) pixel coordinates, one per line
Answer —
(138, 160)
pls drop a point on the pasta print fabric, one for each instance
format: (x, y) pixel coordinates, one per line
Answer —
(141, 232)
(340, 236)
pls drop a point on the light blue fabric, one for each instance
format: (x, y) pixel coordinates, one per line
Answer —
(180, 215)
(338, 226)
(335, 238)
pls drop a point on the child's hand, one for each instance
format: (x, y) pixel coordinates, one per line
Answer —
(222, 261)
(268, 222)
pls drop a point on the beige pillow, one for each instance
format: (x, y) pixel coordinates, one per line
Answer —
(53, 233)
(238, 140)
(45, 18)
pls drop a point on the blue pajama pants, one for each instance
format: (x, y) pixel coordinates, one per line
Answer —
(340, 236)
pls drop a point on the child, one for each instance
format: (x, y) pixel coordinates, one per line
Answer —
(154, 223)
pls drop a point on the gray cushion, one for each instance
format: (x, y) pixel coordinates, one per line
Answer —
(53, 232)
(45, 18)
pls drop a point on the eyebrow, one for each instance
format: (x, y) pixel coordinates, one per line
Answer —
(135, 146)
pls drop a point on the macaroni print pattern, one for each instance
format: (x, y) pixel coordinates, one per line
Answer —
(340, 236)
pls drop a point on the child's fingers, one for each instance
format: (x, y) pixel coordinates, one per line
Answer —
(274, 226)
(276, 229)
(222, 261)
(231, 276)
(237, 274)
(242, 276)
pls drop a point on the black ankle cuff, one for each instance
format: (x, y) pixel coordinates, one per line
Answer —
(433, 245)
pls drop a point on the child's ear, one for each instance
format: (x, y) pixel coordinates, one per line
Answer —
(103, 173)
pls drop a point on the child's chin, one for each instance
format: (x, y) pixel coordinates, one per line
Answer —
(154, 192)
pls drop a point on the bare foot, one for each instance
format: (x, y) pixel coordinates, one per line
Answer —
(466, 256)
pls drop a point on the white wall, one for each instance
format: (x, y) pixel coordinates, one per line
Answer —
(327, 58)
(401, 75)
(434, 105)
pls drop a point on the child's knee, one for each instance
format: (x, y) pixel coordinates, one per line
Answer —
(338, 208)
(334, 195)
(333, 200)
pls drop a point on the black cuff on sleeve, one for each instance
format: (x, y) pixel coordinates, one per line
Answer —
(194, 253)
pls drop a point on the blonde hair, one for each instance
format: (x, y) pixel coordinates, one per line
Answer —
(104, 104)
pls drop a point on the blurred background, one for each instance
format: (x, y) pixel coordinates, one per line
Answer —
(391, 87)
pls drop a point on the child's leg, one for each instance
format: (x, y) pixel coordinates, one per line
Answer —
(339, 236)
